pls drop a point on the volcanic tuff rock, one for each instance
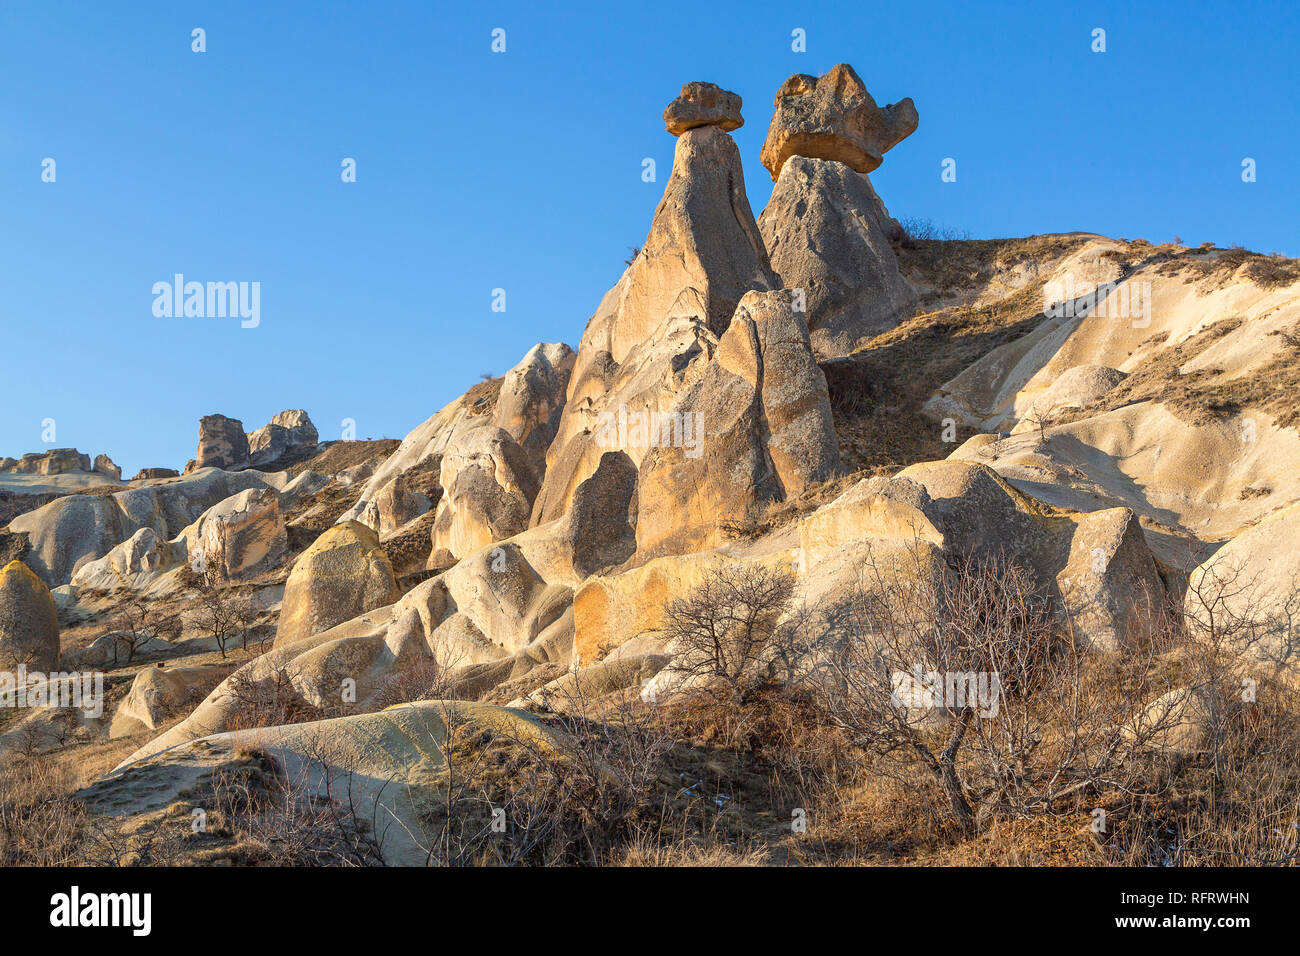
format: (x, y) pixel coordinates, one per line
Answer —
(104, 466)
(657, 327)
(343, 574)
(764, 432)
(516, 421)
(834, 117)
(75, 529)
(222, 444)
(488, 491)
(287, 431)
(56, 461)
(703, 104)
(827, 233)
(29, 622)
(240, 536)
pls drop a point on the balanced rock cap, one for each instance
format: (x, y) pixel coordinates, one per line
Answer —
(834, 117)
(703, 104)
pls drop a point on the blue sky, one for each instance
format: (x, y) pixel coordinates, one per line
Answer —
(522, 171)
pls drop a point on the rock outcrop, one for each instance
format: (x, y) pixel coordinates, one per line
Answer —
(488, 491)
(29, 622)
(828, 235)
(834, 117)
(657, 328)
(75, 529)
(703, 104)
(222, 444)
(288, 431)
(105, 466)
(240, 536)
(147, 474)
(497, 434)
(56, 461)
(343, 574)
(760, 428)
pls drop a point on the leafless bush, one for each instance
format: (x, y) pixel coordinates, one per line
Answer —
(268, 701)
(511, 798)
(728, 631)
(221, 612)
(972, 677)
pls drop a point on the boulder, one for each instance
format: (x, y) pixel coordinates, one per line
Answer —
(827, 234)
(222, 444)
(158, 694)
(703, 104)
(343, 574)
(29, 622)
(833, 117)
(1110, 584)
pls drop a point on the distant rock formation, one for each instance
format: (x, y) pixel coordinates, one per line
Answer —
(145, 474)
(288, 431)
(222, 444)
(104, 466)
(834, 117)
(56, 461)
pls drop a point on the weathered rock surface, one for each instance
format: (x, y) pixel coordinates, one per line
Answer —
(497, 435)
(393, 762)
(29, 622)
(287, 431)
(703, 104)
(104, 466)
(827, 233)
(145, 474)
(75, 529)
(159, 694)
(239, 536)
(134, 563)
(56, 461)
(763, 427)
(222, 444)
(657, 328)
(343, 574)
(834, 117)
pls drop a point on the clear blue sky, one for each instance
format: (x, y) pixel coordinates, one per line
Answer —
(522, 171)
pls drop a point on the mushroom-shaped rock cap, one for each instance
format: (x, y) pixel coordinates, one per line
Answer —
(834, 117)
(703, 104)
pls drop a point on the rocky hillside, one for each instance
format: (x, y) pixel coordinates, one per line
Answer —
(790, 432)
